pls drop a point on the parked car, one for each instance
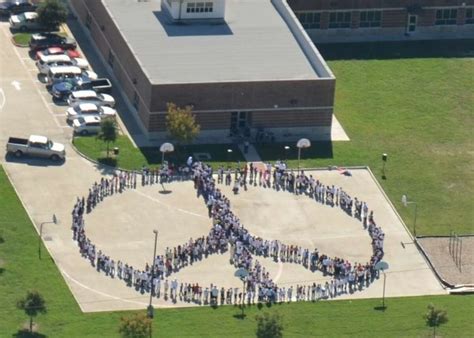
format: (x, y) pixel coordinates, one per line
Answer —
(25, 21)
(89, 109)
(61, 90)
(72, 53)
(86, 125)
(37, 146)
(90, 96)
(11, 7)
(58, 72)
(44, 63)
(45, 40)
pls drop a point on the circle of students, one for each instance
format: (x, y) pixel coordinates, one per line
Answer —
(228, 234)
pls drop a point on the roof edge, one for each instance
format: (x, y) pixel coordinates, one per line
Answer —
(309, 49)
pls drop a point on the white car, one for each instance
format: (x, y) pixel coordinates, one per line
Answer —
(89, 109)
(90, 96)
(25, 21)
(86, 125)
(46, 62)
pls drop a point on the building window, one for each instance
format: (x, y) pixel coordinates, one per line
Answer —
(111, 59)
(88, 20)
(309, 20)
(209, 7)
(200, 7)
(370, 19)
(191, 7)
(340, 19)
(469, 16)
(446, 16)
(136, 100)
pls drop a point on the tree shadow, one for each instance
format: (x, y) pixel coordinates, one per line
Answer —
(380, 308)
(27, 334)
(110, 161)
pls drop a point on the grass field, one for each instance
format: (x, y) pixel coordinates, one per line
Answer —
(420, 111)
(134, 158)
(22, 270)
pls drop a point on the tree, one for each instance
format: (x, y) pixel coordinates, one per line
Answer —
(135, 326)
(269, 326)
(181, 123)
(52, 13)
(32, 304)
(108, 132)
(435, 317)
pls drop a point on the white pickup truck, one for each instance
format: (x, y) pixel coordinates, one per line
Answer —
(37, 146)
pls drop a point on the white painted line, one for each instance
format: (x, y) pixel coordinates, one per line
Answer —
(280, 271)
(33, 80)
(169, 206)
(107, 295)
(16, 84)
(3, 99)
(60, 114)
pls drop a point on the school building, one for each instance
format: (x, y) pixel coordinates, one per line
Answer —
(246, 66)
(375, 20)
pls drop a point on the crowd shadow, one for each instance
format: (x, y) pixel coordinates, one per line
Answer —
(384, 50)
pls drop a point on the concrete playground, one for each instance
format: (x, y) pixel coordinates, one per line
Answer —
(122, 227)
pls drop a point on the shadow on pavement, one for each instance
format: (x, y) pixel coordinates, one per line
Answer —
(33, 161)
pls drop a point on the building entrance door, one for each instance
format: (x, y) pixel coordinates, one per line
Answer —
(411, 23)
(240, 122)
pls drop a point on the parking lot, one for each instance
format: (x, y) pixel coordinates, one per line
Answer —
(47, 188)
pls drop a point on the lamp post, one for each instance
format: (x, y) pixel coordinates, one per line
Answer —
(54, 221)
(405, 202)
(384, 160)
(302, 143)
(287, 150)
(229, 154)
(165, 148)
(150, 306)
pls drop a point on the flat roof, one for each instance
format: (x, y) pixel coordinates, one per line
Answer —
(253, 44)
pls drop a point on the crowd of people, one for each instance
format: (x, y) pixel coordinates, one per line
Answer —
(227, 234)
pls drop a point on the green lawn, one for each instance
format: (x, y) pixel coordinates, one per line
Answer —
(421, 113)
(418, 110)
(22, 39)
(134, 158)
(22, 270)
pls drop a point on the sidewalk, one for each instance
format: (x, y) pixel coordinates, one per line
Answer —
(251, 155)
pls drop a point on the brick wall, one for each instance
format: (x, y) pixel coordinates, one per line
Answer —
(106, 36)
(246, 95)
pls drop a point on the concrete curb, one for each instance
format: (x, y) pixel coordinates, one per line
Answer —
(97, 163)
(18, 44)
(442, 280)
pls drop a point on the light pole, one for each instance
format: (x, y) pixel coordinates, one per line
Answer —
(229, 154)
(287, 150)
(384, 160)
(150, 306)
(302, 143)
(54, 221)
(405, 202)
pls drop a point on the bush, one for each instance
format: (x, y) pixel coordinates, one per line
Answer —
(269, 326)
